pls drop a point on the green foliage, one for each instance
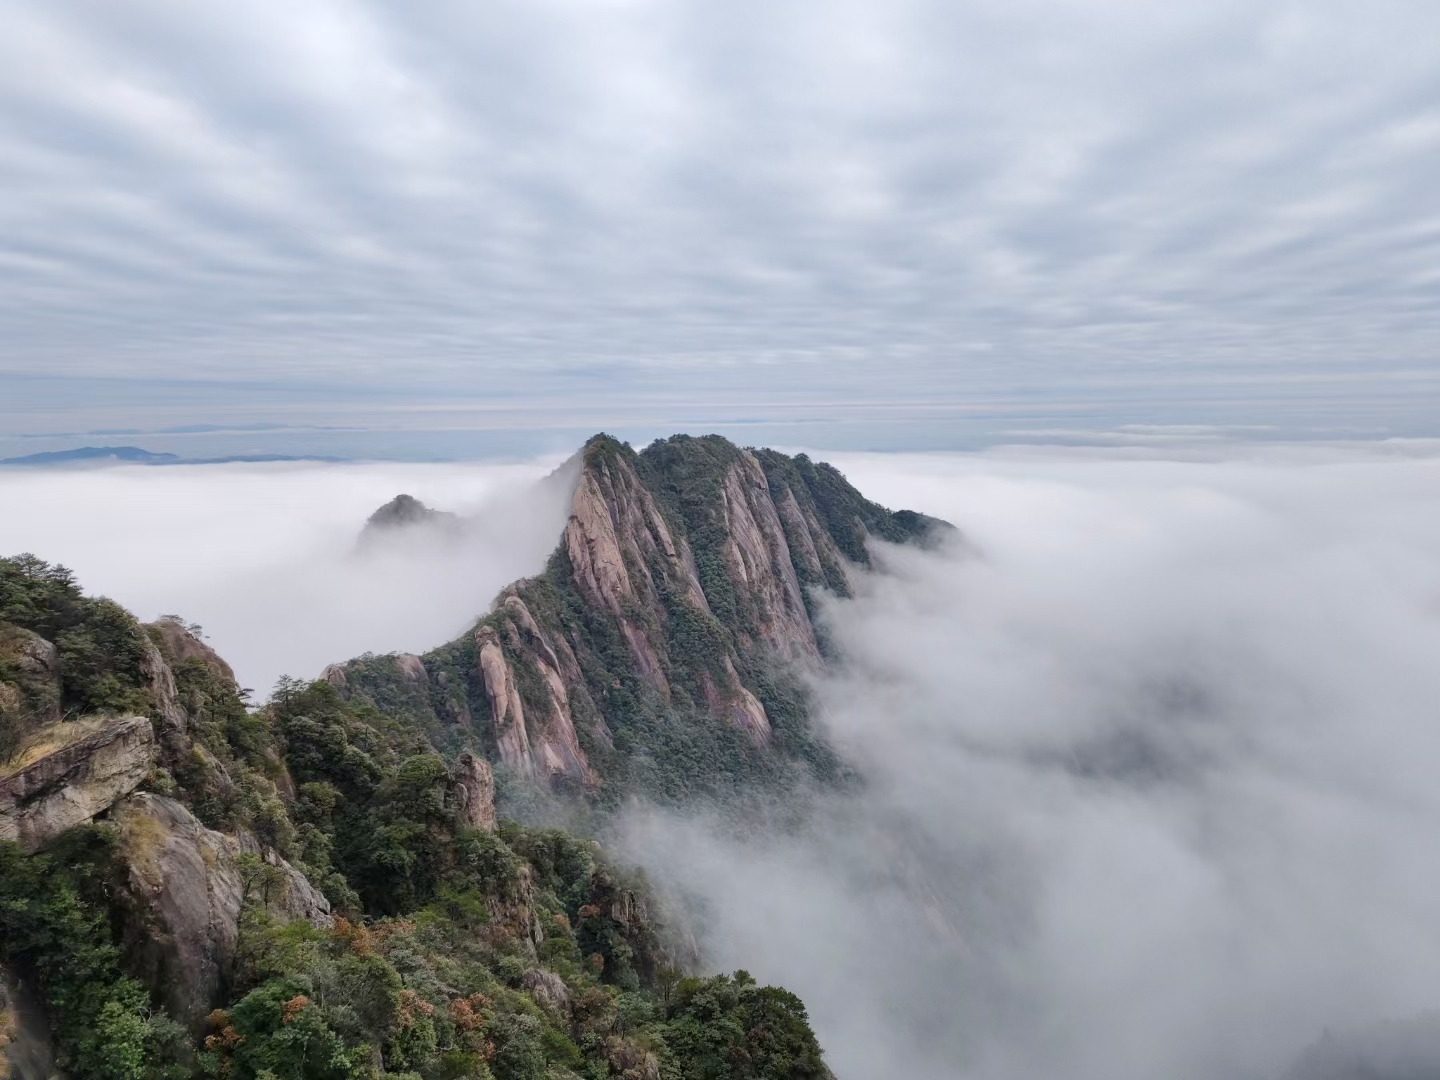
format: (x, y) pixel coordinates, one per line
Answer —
(100, 660)
(380, 682)
(100, 643)
(278, 1031)
(729, 1028)
(38, 596)
(514, 955)
(54, 930)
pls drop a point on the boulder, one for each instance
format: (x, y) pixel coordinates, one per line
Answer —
(411, 667)
(160, 686)
(474, 791)
(179, 645)
(548, 990)
(70, 772)
(186, 887)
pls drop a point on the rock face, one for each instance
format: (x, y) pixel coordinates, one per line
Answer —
(74, 772)
(186, 887)
(29, 686)
(474, 791)
(179, 646)
(160, 686)
(683, 579)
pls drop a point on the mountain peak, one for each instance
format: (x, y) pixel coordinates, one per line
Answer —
(404, 510)
(678, 606)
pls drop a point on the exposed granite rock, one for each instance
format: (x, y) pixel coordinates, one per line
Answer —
(29, 686)
(614, 535)
(681, 584)
(554, 746)
(179, 645)
(507, 712)
(160, 686)
(78, 770)
(629, 1060)
(184, 895)
(474, 791)
(334, 674)
(548, 990)
(760, 564)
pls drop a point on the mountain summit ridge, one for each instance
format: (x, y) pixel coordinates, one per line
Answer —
(682, 589)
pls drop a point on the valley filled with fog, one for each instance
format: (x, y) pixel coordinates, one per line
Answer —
(266, 559)
(1149, 761)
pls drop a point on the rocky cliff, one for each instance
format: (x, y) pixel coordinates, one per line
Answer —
(184, 890)
(70, 773)
(682, 591)
(169, 854)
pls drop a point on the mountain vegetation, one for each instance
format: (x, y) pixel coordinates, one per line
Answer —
(319, 887)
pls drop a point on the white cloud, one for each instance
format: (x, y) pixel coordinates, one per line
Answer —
(1149, 775)
(264, 557)
(1150, 779)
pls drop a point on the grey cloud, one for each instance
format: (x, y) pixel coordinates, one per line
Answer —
(1122, 191)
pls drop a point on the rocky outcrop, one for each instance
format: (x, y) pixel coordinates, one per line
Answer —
(548, 990)
(630, 1060)
(406, 515)
(160, 686)
(507, 711)
(473, 791)
(528, 677)
(334, 674)
(179, 646)
(682, 584)
(185, 890)
(618, 543)
(761, 566)
(70, 773)
(29, 686)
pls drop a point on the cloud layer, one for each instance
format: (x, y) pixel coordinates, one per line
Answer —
(265, 557)
(912, 203)
(1150, 778)
(1149, 768)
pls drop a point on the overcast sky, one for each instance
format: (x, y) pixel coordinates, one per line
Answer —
(673, 213)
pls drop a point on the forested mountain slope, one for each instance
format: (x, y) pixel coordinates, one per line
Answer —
(319, 887)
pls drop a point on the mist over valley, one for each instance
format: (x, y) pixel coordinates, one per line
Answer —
(1140, 760)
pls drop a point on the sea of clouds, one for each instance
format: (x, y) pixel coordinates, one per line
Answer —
(1151, 772)
(266, 557)
(1150, 761)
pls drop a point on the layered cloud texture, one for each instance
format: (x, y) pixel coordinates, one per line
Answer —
(914, 205)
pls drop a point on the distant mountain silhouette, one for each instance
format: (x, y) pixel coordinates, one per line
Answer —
(92, 453)
(134, 455)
